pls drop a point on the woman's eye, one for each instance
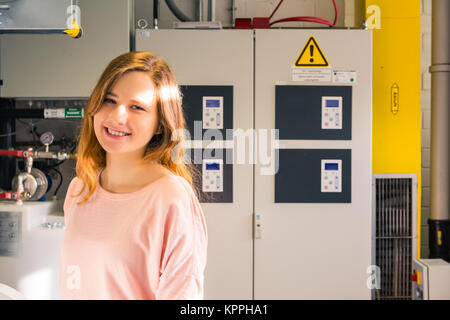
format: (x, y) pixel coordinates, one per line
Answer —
(107, 100)
(137, 107)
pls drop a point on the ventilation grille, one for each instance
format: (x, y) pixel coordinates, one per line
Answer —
(394, 237)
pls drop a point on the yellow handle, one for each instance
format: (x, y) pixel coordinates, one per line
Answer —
(76, 31)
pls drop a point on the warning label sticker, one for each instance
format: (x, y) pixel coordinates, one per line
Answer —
(311, 55)
(311, 75)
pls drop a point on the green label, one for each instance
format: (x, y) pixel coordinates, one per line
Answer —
(74, 113)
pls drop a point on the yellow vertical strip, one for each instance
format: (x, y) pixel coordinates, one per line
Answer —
(396, 89)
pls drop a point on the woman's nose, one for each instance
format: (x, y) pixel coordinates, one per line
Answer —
(120, 114)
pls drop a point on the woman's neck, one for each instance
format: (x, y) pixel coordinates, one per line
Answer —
(127, 173)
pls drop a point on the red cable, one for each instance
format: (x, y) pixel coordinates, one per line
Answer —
(304, 19)
(308, 18)
(335, 13)
(279, 3)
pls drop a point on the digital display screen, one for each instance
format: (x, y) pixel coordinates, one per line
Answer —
(212, 166)
(213, 103)
(331, 166)
(332, 103)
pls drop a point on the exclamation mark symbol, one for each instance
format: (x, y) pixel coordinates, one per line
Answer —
(311, 51)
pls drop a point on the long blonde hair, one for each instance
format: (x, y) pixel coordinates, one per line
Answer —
(162, 147)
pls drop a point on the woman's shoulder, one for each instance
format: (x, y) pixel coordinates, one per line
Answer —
(175, 186)
(181, 203)
(75, 186)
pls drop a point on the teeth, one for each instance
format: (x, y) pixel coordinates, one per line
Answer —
(116, 133)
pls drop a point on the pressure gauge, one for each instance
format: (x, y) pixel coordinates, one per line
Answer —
(47, 138)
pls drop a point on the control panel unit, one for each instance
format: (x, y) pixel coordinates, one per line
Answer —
(332, 113)
(212, 112)
(331, 173)
(212, 175)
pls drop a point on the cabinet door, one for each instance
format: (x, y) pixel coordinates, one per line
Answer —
(56, 65)
(314, 244)
(218, 64)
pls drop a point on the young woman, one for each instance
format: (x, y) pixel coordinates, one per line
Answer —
(134, 225)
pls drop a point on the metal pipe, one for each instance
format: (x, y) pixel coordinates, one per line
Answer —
(440, 131)
(199, 10)
(177, 12)
(132, 25)
(233, 9)
(211, 10)
(155, 13)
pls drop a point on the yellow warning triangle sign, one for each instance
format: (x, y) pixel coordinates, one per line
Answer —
(311, 55)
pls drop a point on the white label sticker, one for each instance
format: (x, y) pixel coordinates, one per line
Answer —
(143, 33)
(57, 113)
(344, 76)
(311, 75)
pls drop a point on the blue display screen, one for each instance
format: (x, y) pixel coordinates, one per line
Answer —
(213, 103)
(212, 166)
(331, 166)
(332, 103)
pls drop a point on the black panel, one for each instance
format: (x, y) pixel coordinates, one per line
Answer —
(192, 106)
(196, 156)
(7, 164)
(298, 112)
(299, 176)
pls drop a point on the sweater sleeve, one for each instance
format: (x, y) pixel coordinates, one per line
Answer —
(183, 257)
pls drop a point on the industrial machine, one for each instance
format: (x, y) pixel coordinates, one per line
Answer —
(431, 279)
(31, 231)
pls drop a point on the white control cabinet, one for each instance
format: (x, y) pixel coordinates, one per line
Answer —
(317, 249)
(208, 58)
(431, 279)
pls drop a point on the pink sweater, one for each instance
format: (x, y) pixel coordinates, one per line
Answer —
(148, 244)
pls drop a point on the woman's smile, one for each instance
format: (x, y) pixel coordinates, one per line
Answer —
(116, 134)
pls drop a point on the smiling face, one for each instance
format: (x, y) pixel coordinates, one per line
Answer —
(128, 118)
